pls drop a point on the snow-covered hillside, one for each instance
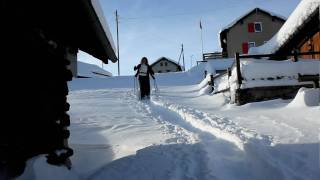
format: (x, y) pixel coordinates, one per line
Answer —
(185, 133)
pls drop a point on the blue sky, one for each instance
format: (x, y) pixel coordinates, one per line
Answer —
(156, 28)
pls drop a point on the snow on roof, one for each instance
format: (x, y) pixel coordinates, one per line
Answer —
(98, 10)
(295, 21)
(90, 70)
(171, 60)
(249, 12)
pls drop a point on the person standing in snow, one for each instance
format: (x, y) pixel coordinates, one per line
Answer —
(144, 70)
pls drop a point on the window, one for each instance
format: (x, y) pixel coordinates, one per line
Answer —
(161, 64)
(251, 44)
(166, 64)
(257, 27)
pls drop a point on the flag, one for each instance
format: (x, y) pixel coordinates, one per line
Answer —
(200, 25)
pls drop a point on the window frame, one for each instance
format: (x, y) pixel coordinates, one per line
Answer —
(251, 42)
(255, 30)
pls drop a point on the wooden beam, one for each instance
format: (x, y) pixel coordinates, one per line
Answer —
(238, 66)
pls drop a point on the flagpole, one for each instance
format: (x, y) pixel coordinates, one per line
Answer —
(201, 40)
(118, 50)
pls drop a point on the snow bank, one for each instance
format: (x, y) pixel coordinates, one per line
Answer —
(39, 169)
(90, 70)
(101, 83)
(261, 73)
(206, 90)
(306, 98)
(211, 66)
(296, 20)
(264, 73)
(204, 82)
(221, 83)
(191, 77)
(256, 69)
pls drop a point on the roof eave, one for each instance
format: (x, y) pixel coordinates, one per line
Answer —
(107, 49)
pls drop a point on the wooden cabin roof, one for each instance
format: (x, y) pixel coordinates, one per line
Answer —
(76, 23)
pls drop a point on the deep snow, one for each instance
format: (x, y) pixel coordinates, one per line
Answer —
(185, 133)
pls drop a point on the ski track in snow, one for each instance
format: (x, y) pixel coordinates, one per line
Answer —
(218, 126)
(180, 158)
(189, 164)
(289, 128)
(210, 130)
(201, 146)
(257, 148)
(180, 135)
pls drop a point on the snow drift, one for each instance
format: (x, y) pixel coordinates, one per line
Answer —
(306, 98)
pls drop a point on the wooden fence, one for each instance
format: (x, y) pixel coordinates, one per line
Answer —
(243, 96)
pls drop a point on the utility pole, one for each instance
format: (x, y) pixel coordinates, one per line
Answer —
(184, 66)
(117, 22)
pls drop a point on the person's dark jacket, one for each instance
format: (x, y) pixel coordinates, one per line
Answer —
(149, 72)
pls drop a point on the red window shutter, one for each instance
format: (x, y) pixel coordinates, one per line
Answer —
(251, 27)
(245, 48)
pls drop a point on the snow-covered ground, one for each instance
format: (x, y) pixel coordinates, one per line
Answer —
(184, 132)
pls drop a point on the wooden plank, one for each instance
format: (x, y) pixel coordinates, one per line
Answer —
(258, 94)
(239, 77)
(312, 44)
(278, 55)
(222, 91)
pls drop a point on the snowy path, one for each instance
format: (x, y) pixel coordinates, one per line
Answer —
(164, 140)
(267, 152)
(181, 134)
(134, 140)
(224, 144)
(105, 127)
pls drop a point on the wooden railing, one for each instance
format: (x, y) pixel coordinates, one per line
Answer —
(294, 54)
(236, 67)
(215, 55)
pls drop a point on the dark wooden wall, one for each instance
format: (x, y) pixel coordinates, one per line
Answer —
(312, 44)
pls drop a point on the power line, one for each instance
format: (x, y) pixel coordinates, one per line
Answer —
(178, 14)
